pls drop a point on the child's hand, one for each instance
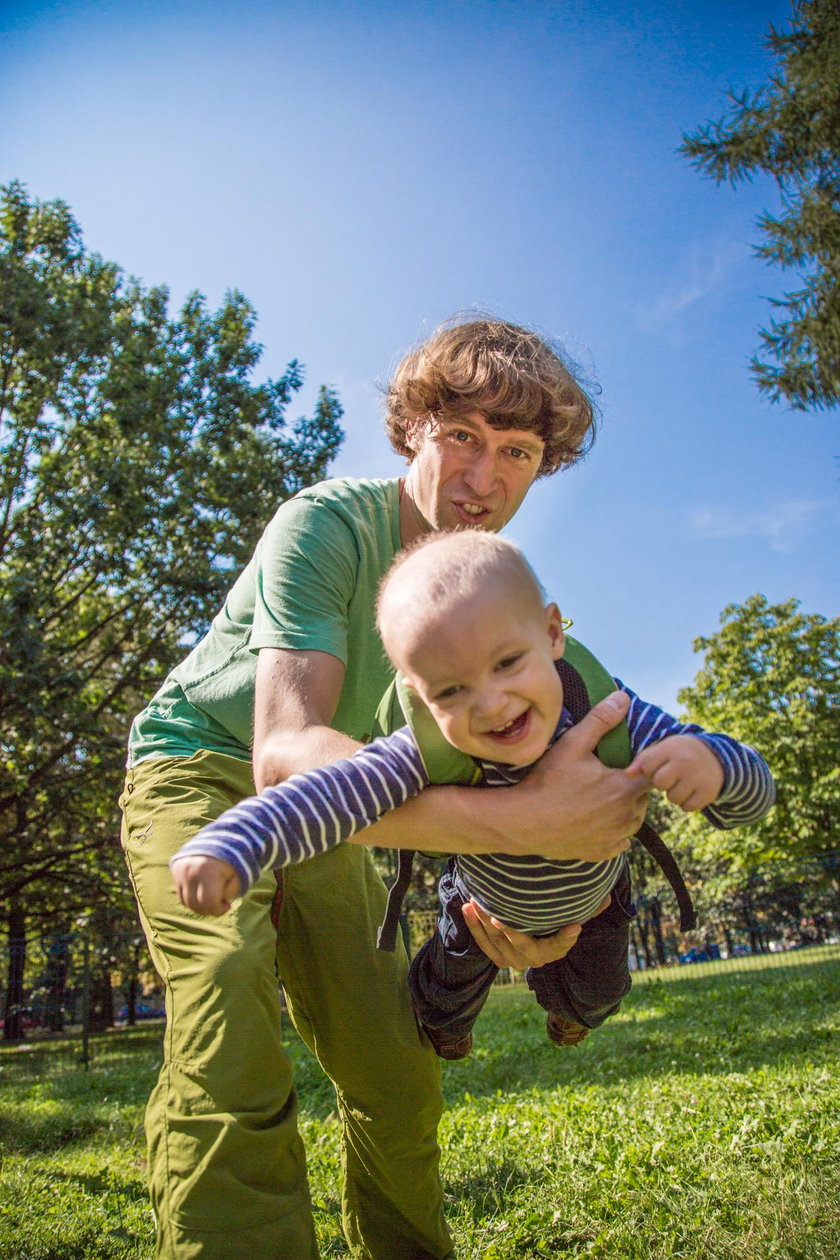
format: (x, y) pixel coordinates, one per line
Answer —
(205, 884)
(682, 767)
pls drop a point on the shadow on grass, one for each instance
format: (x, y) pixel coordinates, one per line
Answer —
(702, 1026)
(30, 1133)
(485, 1188)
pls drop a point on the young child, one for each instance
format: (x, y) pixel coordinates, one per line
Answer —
(463, 618)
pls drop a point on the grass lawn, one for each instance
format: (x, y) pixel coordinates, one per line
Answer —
(701, 1123)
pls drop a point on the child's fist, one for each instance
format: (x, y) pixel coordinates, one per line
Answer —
(684, 768)
(205, 884)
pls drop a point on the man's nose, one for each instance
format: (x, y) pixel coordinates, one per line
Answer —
(481, 473)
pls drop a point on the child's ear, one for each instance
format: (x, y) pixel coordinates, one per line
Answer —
(407, 683)
(554, 628)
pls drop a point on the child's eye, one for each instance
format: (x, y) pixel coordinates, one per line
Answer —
(508, 662)
(447, 693)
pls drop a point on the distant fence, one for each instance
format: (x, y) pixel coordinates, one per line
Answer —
(73, 984)
(769, 912)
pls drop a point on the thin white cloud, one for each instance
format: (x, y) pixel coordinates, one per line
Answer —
(783, 525)
(706, 269)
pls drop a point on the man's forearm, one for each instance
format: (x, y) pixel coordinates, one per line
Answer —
(293, 752)
(446, 819)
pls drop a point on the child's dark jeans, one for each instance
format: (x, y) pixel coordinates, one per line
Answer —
(450, 977)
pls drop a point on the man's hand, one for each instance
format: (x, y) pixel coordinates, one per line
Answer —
(508, 948)
(205, 884)
(573, 808)
(682, 767)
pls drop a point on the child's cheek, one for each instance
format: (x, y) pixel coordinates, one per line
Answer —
(448, 726)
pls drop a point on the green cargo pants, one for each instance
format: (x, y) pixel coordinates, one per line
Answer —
(226, 1163)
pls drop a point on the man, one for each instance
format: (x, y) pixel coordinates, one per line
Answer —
(287, 678)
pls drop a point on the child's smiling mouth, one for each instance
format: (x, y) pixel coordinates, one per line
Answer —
(512, 731)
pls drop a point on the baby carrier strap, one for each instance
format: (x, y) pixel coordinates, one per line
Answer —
(400, 706)
(386, 936)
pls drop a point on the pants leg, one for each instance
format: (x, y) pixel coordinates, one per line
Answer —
(450, 978)
(587, 986)
(226, 1163)
(350, 1003)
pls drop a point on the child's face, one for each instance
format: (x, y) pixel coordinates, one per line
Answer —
(487, 674)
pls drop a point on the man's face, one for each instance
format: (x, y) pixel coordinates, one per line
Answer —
(466, 473)
(486, 672)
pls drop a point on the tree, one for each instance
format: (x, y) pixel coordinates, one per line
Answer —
(138, 464)
(790, 130)
(771, 678)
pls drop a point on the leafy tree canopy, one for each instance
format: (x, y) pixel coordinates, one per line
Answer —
(139, 461)
(789, 129)
(771, 678)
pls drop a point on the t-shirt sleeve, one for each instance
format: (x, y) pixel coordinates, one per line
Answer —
(307, 565)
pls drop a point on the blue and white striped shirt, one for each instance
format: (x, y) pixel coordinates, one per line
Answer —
(312, 812)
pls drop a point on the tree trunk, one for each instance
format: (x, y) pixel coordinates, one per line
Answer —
(641, 929)
(101, 1000)
(13, 1013)
(131, 999)
(56, 982)
(655, 911)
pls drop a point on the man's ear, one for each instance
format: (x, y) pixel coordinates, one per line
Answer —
(416, 428)
(554, 629)
(412, 430)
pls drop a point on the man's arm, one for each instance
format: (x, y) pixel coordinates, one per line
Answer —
(570, 806)
(295, 699)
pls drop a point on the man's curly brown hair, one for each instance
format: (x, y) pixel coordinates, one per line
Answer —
(515, 378)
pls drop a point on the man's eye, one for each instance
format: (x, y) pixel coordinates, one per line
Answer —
(518, 453)
(461, 435)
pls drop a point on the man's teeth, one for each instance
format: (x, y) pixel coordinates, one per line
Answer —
(472, 509)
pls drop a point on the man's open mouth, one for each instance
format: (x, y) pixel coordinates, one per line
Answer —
(471, 511)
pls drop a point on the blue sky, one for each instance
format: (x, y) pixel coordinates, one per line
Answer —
(363, 170)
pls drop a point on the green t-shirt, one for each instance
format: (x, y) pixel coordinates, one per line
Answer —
(310, 585)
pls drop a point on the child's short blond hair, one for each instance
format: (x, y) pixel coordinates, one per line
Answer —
(440, 571)
(514, 377)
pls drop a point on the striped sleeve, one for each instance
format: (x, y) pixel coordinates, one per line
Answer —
(748, 790)
(312, 812)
